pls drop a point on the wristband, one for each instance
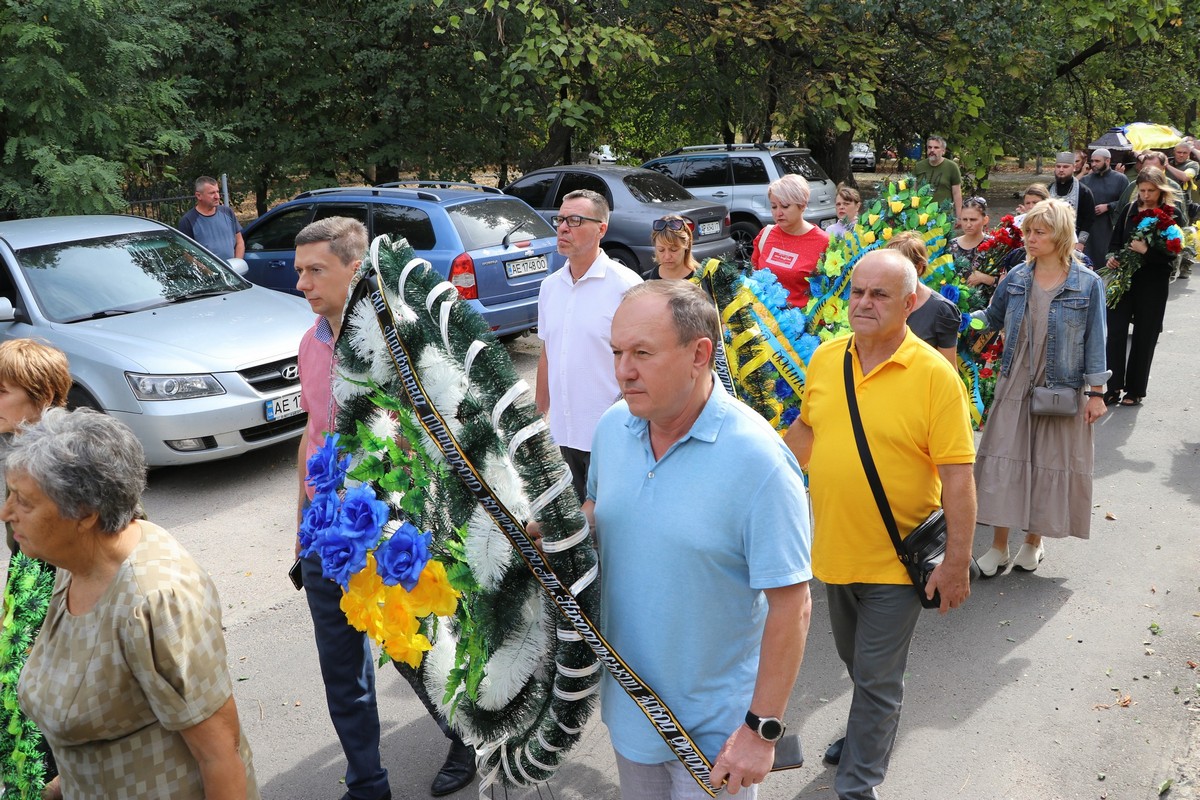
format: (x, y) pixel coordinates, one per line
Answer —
(1094, 394)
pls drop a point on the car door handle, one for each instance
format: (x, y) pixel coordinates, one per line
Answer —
(720, 194)
(277, 264)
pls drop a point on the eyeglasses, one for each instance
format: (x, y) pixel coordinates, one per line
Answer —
(573, 221)
(673, 224)
(975, 202)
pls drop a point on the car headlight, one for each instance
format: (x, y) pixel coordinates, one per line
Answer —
(173, 387)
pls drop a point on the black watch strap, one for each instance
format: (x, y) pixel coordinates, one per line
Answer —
(1090, 393)
(770, 729)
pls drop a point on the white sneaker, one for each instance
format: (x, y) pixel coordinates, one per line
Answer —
(992, 563)
(1028, 557)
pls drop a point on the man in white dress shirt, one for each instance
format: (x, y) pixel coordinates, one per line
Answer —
(575, 380)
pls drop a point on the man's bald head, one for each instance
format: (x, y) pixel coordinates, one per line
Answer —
(883, 291)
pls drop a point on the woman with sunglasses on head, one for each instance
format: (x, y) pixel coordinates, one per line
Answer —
(672, 240)
(973, 220)
(791, 246)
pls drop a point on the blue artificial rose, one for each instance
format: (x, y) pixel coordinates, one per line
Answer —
(964, 323)
(319, 517)
(362, 515)
(789, 415)
(325, 471)
(341, 556)
(950, 292)
(783, 389)
(402, 557)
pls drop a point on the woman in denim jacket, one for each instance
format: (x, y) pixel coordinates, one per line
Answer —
(1034, 472)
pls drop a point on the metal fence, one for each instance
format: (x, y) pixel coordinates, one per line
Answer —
(161, 201)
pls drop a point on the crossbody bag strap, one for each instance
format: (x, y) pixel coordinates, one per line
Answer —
(864, 453)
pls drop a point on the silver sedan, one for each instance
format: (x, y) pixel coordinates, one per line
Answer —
(160, 333)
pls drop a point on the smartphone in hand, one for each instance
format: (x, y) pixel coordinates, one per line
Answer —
(294, 574)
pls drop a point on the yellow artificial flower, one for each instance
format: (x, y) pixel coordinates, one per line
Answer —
(903, 185)
(887, 234)
(896, 206)
(433, 593)
(410, 650)
(872, 219)
(362, 599)
(916, 202)
(922, 218)
(868, 237)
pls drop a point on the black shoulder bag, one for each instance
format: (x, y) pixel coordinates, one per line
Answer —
(925, 547)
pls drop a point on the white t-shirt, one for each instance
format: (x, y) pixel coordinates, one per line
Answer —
(575, 326)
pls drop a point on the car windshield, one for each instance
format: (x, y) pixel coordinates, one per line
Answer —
(115, 275)
(800, 164)
(860, 147)
(485, 223)
(654, 187)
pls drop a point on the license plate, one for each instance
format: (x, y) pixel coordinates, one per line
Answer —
(709, 228)
(282, 407)
(526, 266)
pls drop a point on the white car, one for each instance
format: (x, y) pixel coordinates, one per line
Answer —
(602, 155)
(160, 333)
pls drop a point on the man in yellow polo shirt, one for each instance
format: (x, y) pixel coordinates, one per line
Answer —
(914, 411)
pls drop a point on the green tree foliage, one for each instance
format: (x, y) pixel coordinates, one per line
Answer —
(85, 104)
(102, 93)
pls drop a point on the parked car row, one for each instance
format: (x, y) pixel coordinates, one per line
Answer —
(201, 362)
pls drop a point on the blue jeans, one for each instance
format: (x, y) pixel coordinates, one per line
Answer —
(348, 671)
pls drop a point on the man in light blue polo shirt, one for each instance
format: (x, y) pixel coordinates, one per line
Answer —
(703, 528)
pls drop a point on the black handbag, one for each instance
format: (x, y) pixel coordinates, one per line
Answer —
(925, 547)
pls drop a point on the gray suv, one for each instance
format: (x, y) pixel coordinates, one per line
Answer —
(738, 175)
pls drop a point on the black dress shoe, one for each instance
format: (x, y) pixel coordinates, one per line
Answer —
(834, 754)
(457, 772)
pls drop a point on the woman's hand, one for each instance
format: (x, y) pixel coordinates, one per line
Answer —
(1094, 409)
(977, 278)
(1112, 263)
(52, 790)
(1139, 246)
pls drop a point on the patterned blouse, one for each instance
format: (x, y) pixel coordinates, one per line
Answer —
(111, 688)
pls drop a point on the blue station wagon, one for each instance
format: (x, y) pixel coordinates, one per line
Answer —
(494, 248)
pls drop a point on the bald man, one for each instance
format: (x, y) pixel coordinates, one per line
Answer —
(873, 607)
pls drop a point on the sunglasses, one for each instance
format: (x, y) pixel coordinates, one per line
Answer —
(975, 202)
(664, 224)
(573, 221)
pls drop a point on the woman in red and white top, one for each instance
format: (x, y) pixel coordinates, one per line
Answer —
(790, 248)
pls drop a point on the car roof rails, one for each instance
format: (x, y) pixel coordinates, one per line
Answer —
(441, 185)
(374, 191)
(700, 148)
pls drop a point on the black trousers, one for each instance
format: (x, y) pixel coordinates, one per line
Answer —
(578, 462)
(1144, 305)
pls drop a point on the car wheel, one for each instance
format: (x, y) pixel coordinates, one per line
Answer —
(743, 234)
(624, 257)
(78, 397)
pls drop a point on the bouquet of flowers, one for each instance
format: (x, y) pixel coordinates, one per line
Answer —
(997, 244)
(390, 571)
(1154, 226)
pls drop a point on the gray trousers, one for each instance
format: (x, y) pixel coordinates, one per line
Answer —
(669, 780)
(872, 626)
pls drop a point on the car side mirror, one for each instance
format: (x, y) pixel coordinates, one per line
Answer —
(239, 266)
(7, 312)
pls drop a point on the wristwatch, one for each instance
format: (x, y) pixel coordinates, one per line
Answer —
(769, 729)
(1090, 393)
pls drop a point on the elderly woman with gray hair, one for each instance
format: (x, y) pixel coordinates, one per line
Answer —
(127, 679)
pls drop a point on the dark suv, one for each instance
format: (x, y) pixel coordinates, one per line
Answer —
(738, 175)
(637, 197)
(494, 248)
